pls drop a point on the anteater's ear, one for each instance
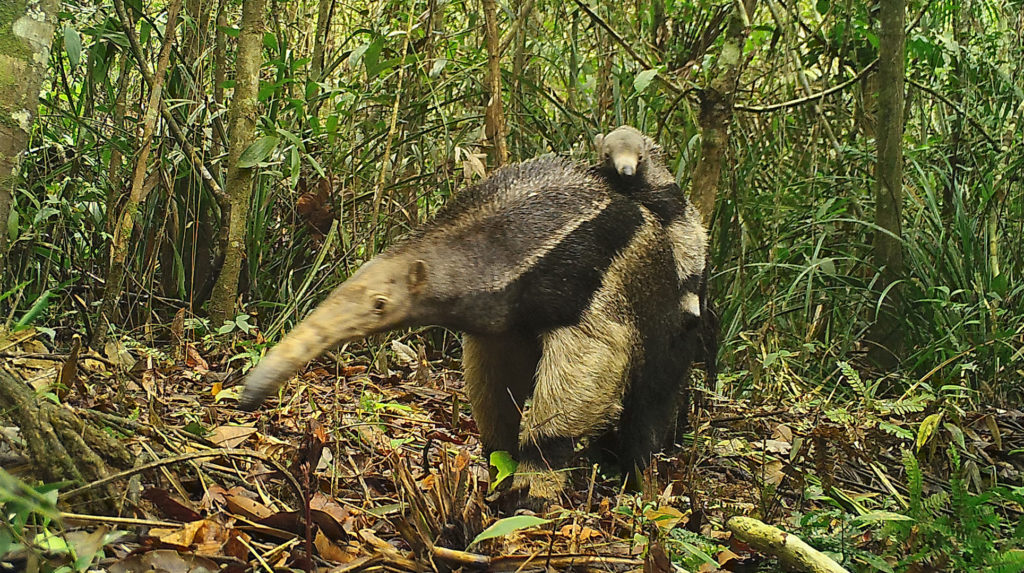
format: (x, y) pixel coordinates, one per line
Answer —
(598, 140)
(417, 276)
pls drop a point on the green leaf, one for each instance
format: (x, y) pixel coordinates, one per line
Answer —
(876, 516)
(507, 525)
(270, 41)
(50, 542)
(874, 560)
(506, 466)
(357, 54)
(371, 58)
(928, 426)
(1000, 284)
(6, 541)
(257, 152)
(697, 552)
(644, 79)
(73, 45)
(437, 68)
(37, 308)
(195, 428)
(294, 167)
(822, 6)
(12, 225)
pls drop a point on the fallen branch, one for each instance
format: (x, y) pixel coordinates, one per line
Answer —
(790, 549)
(516, 562)
(57, 357)
(226, 452)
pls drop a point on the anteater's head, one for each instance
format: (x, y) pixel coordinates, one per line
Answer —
(380, 296)
(624, 150)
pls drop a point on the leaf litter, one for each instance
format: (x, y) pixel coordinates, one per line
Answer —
(366, 468)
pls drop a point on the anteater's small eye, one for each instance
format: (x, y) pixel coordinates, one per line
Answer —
(379, 303)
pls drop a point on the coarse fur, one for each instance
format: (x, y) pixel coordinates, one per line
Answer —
(633, 163)
(564, 290)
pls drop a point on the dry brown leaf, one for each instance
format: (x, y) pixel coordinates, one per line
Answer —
(331, 551)
(725, 555)
(165, 561)
(235, 546)
(783, 432)
(461, 460)
(665, 517)
(230, 436)
(245, 506)
(182, 537)
(194, 360)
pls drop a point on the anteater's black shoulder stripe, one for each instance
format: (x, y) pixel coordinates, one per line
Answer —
(557, 290)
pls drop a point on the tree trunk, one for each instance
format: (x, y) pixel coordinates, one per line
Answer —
(519, 59)
(241, 134)
(219, 76)
(716, 111)
(886, 335)
(114, 190)
(323, 24)
(24, 52)
(126, 223)
(494, 121)
(62, 447)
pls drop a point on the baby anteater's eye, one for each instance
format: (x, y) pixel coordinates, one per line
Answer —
(379, 303)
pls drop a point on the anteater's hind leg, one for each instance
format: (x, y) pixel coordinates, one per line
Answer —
(499, 372)
(651, 405)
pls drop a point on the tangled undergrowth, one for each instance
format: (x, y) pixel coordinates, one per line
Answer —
(371, 461)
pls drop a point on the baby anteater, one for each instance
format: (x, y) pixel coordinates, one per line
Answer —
(633, 164)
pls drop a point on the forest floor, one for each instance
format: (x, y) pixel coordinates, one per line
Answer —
(398, 482)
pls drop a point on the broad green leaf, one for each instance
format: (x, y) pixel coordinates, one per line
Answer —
(371, 58)
(507, 525)
(506, 466)
(644, 79)
(257, 152)
(270, 41)
(12, 225)
(51, 542)
(73, 45)
(924, 433)
(357, 54)
(438, 67)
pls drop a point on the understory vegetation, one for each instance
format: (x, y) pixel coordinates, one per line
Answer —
(369, 116)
